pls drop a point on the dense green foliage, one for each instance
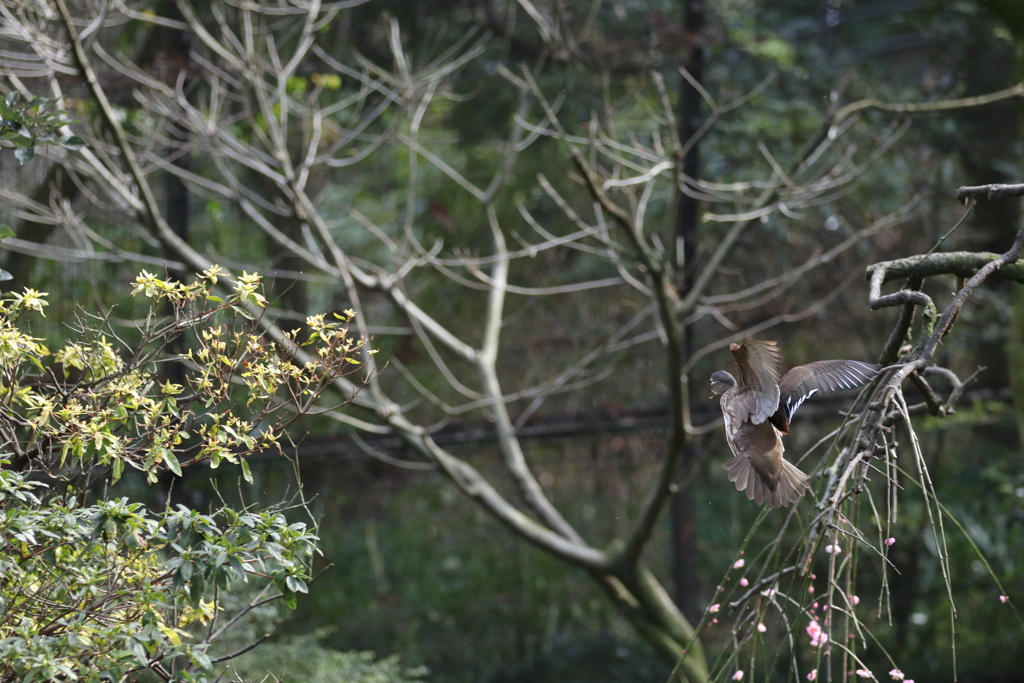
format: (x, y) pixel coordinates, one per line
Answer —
(23, 125)
(101, 590)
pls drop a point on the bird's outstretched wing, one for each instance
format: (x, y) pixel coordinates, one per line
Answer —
(823, 376)
(760, 365)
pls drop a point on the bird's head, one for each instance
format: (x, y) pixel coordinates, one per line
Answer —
(721, 382)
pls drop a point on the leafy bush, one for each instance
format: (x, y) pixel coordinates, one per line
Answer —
(23, 125)
(302, 658)
(103, 590)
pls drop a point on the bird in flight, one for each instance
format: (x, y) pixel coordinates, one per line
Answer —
(759, 408)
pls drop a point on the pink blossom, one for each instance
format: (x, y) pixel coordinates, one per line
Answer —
(813, 675)
(814, 606)
(864, 673)
(738, 676)
(715, 607)
(736, 565)
(833, 549)
(744, 582)
(854, 600)
(1004, 598)
(896, 675)
(714, 621)
(810, 589)
(890, 541)
(761, 628)
(818, 637)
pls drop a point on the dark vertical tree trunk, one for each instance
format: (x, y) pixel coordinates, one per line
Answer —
(683, 513)
(177, 218)
(171, 56)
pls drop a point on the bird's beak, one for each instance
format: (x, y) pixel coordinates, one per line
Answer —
(712, 394)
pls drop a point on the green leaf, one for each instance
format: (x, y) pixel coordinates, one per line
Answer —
(24, 154)
(200, 658)
(21, 135)
(5, 231)
(12, 98)
(4, 275)
(239, 568)
(72, 142)
(172, 461)
(242, 312)
(246, 472)
(16, 131)
(296, 585)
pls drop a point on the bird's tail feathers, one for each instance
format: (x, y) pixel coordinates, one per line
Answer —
(790, 485)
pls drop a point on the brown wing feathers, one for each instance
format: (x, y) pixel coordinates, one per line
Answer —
(760, 366)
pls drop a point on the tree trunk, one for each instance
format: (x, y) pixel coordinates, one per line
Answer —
(683, 513)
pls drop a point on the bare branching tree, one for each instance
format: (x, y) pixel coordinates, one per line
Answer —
(279, 122)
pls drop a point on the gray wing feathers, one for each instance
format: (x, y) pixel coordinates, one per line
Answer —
(823, 376)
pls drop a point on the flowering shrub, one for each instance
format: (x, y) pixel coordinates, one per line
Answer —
(105, 590)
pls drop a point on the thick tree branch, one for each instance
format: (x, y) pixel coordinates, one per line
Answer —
(959, 263)
(990, 192)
